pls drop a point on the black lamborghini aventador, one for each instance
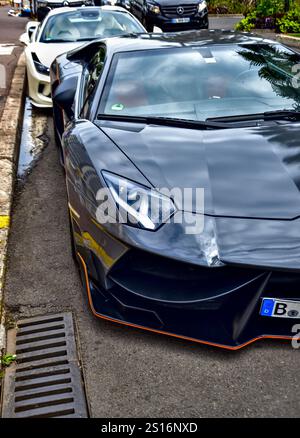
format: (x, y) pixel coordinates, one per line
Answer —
(182, 161)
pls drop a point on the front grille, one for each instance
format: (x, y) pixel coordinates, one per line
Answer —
(160, 278)
(62, 5)
(171, 11)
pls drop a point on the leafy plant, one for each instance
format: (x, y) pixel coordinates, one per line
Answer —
(268, 8)
(230, 6)
(248, 23)
(8, 359)
(290, 23)
(271, 14)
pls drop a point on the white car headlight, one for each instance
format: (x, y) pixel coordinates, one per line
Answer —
(142, 207)
(202, 5)
(40, 68)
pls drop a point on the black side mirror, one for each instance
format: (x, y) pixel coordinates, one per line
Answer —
(64, 95)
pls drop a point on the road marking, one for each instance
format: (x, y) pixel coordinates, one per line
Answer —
(4, 222)
(6, 49)
(2, 76)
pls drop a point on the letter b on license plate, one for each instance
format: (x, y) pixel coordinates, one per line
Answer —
(276, 308)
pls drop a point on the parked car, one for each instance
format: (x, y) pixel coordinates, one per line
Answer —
(142, 119)
(42, 7)
(65, 29)
(122, 3)
(171, 15)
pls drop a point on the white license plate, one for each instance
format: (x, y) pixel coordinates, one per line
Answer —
(277, 308)
(180, 20)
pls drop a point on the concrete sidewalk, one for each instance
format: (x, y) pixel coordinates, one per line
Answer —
(12, 81)
(10, 123)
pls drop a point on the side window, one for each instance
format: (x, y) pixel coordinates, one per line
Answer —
(91, 75)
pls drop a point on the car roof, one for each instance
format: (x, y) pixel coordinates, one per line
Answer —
(134, 42)
(57, 11)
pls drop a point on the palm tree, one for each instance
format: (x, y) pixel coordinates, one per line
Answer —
(276, 68)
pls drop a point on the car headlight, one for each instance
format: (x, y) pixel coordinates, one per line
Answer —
(153, 8)
(138, 205)
(40, 68)
(42, 4)
(202, 5)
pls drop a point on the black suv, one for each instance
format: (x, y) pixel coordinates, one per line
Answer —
(171, 15)
(41, 8)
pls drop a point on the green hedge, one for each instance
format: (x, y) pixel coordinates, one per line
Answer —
(230, 6)
(271, 14)
(290, 23)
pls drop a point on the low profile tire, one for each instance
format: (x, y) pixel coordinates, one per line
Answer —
(56, 138)
(73, 245)
(56, 125)
(206, 25)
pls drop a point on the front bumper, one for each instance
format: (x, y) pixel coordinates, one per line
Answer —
(166, 24)
(219, 306)
(38, 85)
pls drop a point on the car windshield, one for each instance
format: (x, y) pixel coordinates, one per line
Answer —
(203, 82)
(87, 24)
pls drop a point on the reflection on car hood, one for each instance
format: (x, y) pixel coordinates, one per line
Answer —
(249, 173)
(47, 52)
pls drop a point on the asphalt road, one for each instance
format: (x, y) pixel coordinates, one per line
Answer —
(227, 23)
(131, 373)
(11, 27)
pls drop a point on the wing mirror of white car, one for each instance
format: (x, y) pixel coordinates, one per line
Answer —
(31, 26)
(24, 39)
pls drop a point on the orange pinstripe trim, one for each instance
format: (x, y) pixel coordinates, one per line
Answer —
(186, 338)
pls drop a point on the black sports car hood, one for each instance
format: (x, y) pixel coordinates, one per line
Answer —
(246, 173)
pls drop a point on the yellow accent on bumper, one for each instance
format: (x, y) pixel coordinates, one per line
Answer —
(73, 211)
(4, 222)
(86, 240)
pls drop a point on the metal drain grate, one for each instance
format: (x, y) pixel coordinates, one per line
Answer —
(46, 380)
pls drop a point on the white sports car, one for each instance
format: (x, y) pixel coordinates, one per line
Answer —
(65, 29)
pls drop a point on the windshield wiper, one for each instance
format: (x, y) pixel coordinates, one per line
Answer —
(85, 39)
(292, 115)
(57, 40)
(164, 121)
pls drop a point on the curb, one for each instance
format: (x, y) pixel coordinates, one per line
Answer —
(10, 132)
(226, 16)
(289, 40)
